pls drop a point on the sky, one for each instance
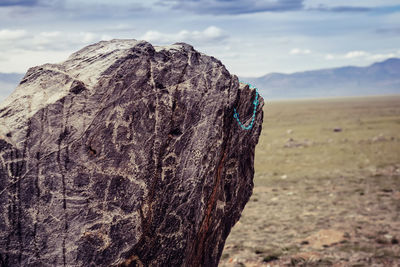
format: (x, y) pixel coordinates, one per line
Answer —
(252, 38)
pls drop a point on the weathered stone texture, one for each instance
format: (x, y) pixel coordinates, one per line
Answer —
(124, 155)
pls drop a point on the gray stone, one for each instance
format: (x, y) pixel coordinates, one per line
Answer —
(124, 155)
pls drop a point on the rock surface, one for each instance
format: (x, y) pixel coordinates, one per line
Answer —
(124, 155)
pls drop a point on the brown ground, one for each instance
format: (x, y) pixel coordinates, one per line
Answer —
(323, 197)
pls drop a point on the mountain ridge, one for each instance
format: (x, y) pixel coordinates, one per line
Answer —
(375, 79)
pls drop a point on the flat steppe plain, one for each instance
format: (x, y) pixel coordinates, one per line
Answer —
(327, 186)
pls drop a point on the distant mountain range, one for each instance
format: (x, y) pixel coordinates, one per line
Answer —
(380, 78)
(377, 79)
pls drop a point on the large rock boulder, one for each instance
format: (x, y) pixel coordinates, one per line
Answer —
(125, 155)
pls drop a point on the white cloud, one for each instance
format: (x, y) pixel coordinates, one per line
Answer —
(213, 32)
(88, 37)
(50, 34)
(355, 54)
(20, 60)
(210, 34)
(29, 49)
(43, 39)
(105, 37)
(11, 35)
(155, 36)
(48, 41)
(383, 56)
(370, 56)
(360, 57)
(297, 51)
(35, 48)
(329, 57)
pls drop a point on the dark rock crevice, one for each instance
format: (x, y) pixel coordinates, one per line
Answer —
(62, 172)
